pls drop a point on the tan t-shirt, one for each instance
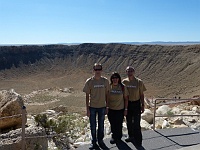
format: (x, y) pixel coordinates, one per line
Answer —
(135, 88)
(97, 90)
(116, 97)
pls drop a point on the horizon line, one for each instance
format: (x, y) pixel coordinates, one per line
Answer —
(64, 43)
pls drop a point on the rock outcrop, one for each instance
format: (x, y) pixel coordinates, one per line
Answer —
(12, 140)
(11, 104)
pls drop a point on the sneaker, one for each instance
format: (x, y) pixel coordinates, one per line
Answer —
(102, 145)
(94, 146)
(129, 139)
(112, 141)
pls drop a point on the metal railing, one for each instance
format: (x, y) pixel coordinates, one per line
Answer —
(23, 137)
(23, 126)
(174, 101)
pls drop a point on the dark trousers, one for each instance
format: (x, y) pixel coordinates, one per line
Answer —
(115, 118)
(133, 121)
(93, 123)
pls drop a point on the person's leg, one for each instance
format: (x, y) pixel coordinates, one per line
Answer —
(100, 133)
(129, 119)
(101, 118)
(93, 124)
(137, 134)
(118, 123)
(111, 120)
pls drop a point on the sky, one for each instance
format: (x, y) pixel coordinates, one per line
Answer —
(98, 21)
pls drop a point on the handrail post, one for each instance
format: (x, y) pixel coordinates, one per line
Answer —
(167, 104)
(154, 115)
(23, 126)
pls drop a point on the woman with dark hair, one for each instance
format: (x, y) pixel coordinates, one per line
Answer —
(118, 104)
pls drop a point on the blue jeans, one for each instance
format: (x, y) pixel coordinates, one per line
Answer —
(101, 117)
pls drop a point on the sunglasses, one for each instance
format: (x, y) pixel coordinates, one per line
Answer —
(114, 78)
(129, 70)
(97, 69)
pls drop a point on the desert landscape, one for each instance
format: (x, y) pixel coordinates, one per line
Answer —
(50, 78)
(167, 71)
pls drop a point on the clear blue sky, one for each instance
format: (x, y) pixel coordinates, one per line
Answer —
(98, 21)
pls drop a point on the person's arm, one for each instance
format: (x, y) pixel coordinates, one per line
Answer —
(125, 105)
(142, 89)
(87, 105)
(107, 98)
(142, 102)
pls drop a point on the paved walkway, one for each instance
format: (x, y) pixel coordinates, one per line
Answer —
(165, 139)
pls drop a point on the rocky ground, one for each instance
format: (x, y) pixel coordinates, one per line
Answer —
(185, 108)
(169, 108)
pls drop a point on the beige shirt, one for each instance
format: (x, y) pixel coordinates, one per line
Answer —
(97, 90)
(116, 97)
(135, 88)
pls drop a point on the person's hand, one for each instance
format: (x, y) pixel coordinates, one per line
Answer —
(88, 112)
(106, 112)
(142, 109)
(125, 112)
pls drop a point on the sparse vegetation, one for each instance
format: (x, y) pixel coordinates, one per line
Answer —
(170, 113)
(69, 125)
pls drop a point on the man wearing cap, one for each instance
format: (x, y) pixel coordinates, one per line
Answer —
(135, 88)
(96, 89)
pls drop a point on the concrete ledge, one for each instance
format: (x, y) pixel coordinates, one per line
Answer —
(195, 147)
(165, 139)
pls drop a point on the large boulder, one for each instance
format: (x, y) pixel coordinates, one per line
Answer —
(34, 139)
(163, 110)
(145, 125)
(147, 116)
(11, 104)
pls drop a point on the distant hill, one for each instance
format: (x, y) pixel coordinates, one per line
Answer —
(132, 43)
(149, 43)
(164, 43)
(167, 70)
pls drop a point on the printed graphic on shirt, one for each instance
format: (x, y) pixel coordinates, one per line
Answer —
(116, 92)
(99, 86)
(131, 86)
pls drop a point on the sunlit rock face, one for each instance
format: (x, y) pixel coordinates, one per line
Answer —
(11, 104)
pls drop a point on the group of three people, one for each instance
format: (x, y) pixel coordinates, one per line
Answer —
(118, 99)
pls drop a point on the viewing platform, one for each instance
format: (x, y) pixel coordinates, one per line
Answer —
(163, 139)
